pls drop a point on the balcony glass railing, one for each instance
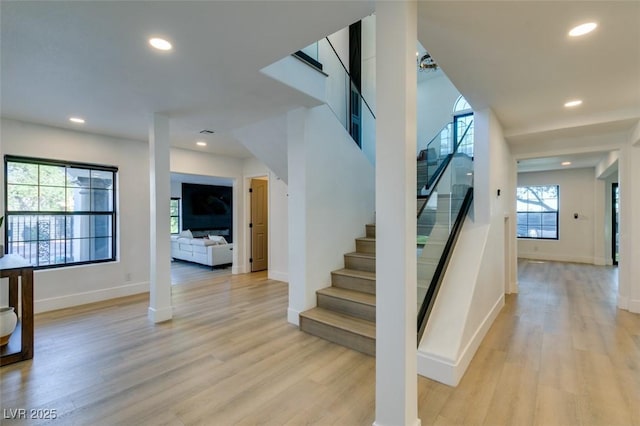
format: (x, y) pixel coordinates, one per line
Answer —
(343, 96)
(439, 219)
(433, 158)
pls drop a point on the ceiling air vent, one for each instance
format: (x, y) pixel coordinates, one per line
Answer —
(207, 132)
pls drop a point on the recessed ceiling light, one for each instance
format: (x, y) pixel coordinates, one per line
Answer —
(201, 143)
(583, 29)
(565, 163)
(77, 120)
(160, 43)
(573, 103)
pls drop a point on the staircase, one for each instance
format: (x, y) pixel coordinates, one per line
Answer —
(346, 311)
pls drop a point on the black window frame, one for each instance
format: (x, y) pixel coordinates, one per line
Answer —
(93, 212)
(556, 213)
(177, 216)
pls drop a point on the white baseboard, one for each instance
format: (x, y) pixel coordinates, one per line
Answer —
(238, 270)
(67, 301)
(623, 302)
(556, 257)
(293, 316)
(447, 371)
(279, 276)
(160, 315)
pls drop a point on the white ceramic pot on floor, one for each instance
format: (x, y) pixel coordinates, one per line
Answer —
(8, 321)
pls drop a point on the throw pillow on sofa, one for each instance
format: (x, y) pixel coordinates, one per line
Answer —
(218, 239)
(186, 233)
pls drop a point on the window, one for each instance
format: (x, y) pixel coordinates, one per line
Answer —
(537, 208)
(461, 106)
(60, 213)
(463, 126)
(175, 215)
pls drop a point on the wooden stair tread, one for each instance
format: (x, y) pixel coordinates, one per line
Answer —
(360, 254)
(344, 322)
(356, 274)
(354, 296)
(365, 239)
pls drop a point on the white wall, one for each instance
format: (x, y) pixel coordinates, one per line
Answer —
(478, 274)
(278, 233)
(63, 287)
(267, 140)
(436, 96)
(331, 198)
(576, 243)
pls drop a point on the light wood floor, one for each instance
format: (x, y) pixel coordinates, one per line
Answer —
(559, 353)
(188, 272)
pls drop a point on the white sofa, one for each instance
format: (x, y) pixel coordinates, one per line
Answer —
(210, 252)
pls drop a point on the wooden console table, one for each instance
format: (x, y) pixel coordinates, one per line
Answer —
(20, 346)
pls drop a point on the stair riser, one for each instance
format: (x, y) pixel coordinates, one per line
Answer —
(365, 246)
(342, 337)
(360, 263)
(353, 283)
(348, 307)
(371, 231)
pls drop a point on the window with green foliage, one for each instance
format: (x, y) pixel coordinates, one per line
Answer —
(175, 215)
(537, 208)
(60, 213)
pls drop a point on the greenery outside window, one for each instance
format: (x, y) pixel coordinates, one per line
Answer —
(175, 215)
(60, 213)
(537, 208)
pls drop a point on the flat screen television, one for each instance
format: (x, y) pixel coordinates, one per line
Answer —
(208, 208)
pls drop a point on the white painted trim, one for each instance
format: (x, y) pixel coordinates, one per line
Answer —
(634, 306)
(235, 270)
(293, 316)
(556, 257)
(61, 302)
(444, 370)
(160, 315)
(279, 276)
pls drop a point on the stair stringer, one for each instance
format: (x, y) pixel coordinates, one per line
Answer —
(470, 298)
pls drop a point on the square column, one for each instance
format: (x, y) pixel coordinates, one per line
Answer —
(160, 241)
(396, 306)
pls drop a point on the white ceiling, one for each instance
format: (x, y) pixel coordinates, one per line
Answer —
(63, 58)
(581, 160)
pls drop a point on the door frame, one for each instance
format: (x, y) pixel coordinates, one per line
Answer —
(246, 250)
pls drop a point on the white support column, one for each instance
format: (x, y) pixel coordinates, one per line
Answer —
(396, 353)
(160, 243)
